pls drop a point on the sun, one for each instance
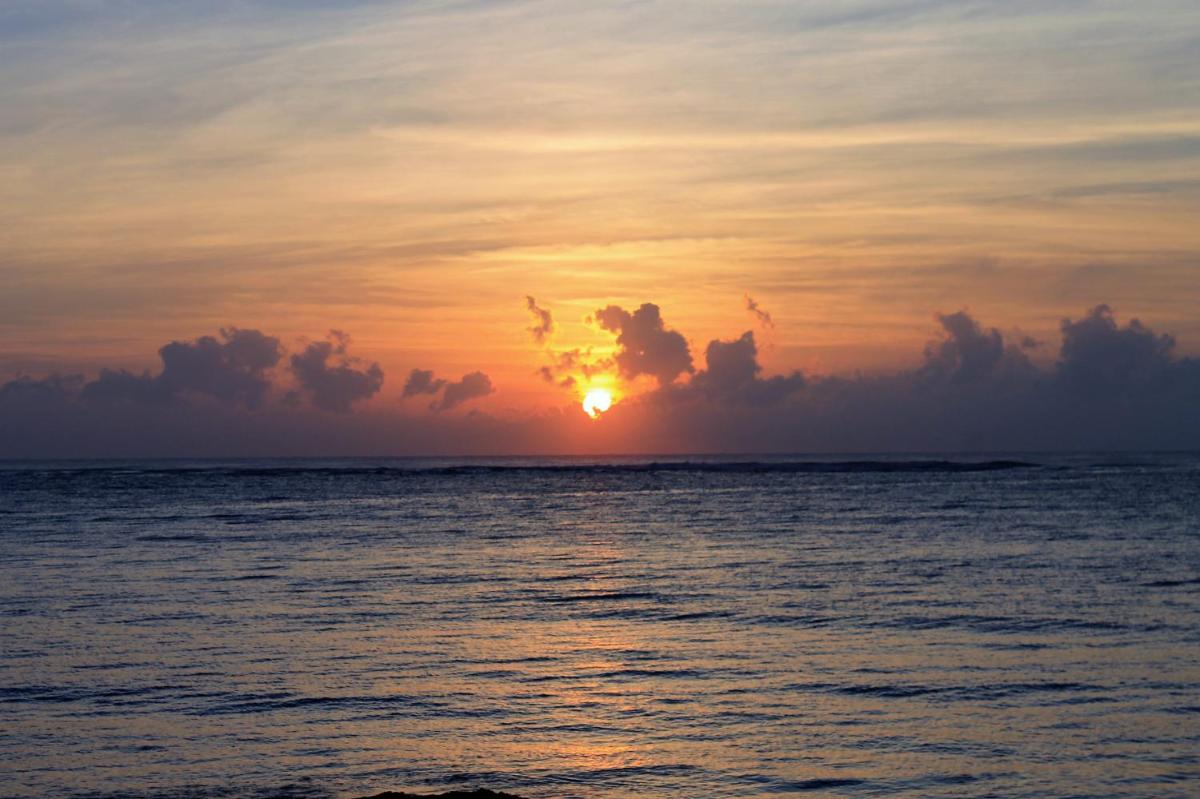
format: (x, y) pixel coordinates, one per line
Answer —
(597, 401)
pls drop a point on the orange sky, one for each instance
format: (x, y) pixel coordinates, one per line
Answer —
(409, 172)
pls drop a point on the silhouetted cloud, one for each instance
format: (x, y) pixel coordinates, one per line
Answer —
(550, 375)
(1099, 356)
(732, 375)
(968, 353)
(1113, 386)
(732, 369)
(232, 369)
(422, 381)
(761, 314)
(51, 388)
(569, 363)
(566, 367)
(646, 346)
(329, 377)
(543, 322)
(471, 386)
(119, 385)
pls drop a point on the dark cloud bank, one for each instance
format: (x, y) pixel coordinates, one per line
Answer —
(231, 394)
(232, 368)
(1113, 386)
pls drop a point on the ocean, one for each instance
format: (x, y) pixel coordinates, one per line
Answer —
(915, 626)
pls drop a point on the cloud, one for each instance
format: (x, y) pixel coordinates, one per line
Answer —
(732, 375)
(422, 381)
(570, 365)
(471, 386)
(232, 368)
(824, 140)
(646, 346)
(549, 374)
(566, 367)
(1099, 356)
(51, 388)
(543, 324)
(118, 385)
(338, 385)
(1114, 386)
(762, 315)
(968, 353)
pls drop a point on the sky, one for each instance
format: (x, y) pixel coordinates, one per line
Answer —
(262, 227)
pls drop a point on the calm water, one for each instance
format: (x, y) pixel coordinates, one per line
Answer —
(562, 629)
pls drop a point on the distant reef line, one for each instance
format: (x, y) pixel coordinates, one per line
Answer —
(478, 793)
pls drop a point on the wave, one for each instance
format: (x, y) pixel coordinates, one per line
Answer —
(284, 469)
(297, 790)
(960, 693)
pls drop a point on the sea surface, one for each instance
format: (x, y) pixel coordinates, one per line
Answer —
(957, 626)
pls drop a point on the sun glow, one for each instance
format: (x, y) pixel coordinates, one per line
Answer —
(597, 401)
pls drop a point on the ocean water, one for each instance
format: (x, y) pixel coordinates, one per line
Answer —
(1009, 626)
